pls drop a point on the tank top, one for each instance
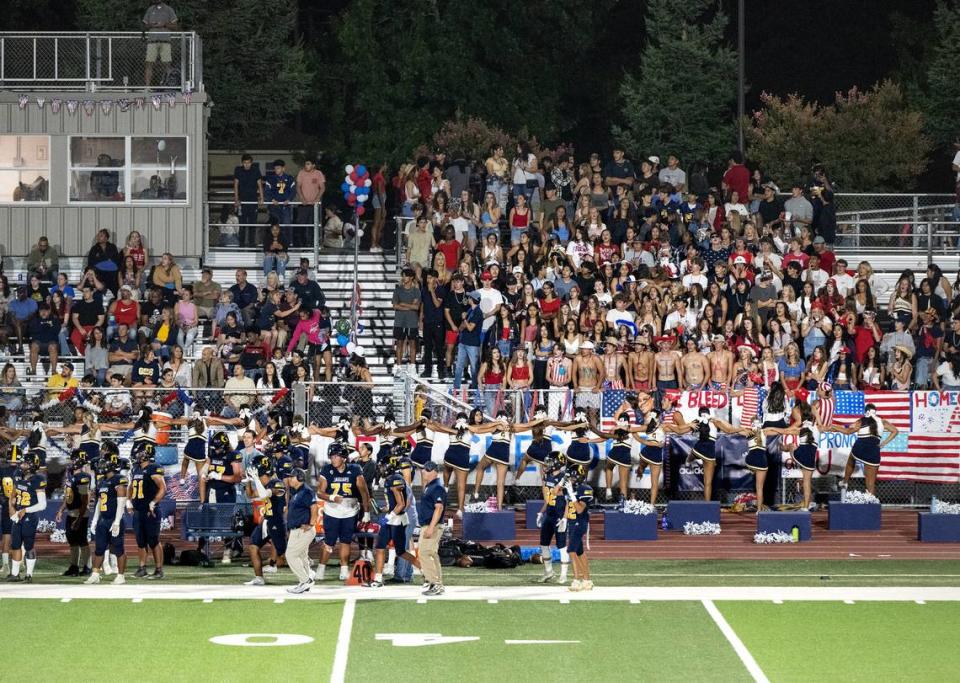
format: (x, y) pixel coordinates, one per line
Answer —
(530, 334)
(491, 377)
(125, 312)
(571, 346)
(864, 431)
(138, 255)
(188, 314)
(520, 372)
(521, 220)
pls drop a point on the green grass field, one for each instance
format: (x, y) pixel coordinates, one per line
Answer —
(164, 640)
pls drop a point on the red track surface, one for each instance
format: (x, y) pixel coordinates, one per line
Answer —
(896, 540)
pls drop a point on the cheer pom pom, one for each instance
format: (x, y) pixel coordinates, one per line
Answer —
(637, 507)
(701, 529)
(860, 498)
(771, 538)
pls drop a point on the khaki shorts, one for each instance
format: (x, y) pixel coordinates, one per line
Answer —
(158, 50)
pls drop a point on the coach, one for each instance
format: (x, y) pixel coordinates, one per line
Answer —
(302, 522)
(432, 503)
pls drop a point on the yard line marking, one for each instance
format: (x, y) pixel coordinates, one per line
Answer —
(65, 599)
(492, 601)
(421, 601)
(778, 602)
(849, 602)
(137, 600)
(540, 642)
(343, 642)
(920, 602)
(634, 601)
(748, 661)
(564, 601)
(278, 601)
(207, 600)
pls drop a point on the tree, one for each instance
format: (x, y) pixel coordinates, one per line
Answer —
(254, 68)
(869, 141)
(681, 100)
(940, 104)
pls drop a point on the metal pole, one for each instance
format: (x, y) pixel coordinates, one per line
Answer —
(316, 237)
(741, 31)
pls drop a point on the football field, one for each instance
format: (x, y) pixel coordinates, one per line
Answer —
(696, 628)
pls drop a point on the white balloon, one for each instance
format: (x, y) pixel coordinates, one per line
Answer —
(359, 233)
(351, 347)
(162, 145)
(361, 198)
(360, 351)
(349, 168)
(367, 183)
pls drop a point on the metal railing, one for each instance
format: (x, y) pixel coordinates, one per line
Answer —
(101, 60)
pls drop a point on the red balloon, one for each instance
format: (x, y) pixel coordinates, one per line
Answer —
(354, 177)
(352, 199)
(360, 210)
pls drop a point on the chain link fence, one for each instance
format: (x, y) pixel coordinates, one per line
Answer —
(903, 223)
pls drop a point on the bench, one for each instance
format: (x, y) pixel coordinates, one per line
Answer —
(212, 521)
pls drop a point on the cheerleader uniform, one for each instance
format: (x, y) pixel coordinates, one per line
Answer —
(142, 437)
(539, 449)
(90, 445)
(757, 453)
(706, 442)
(805, 454)
(866, 449)
(196, 447)
(458, 453)
(579, 453)
(650, 454)
(499, 449)
(620, 452)
(423, 451)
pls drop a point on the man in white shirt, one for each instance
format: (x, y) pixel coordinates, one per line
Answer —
(618, 313)
(845, 282)
(672, 174)
(490, 302)
(681, 317)
(815, 274)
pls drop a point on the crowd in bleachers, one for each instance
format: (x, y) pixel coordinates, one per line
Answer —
(522, 269)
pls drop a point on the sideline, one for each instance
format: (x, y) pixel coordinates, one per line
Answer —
(212, 593)
(742, 652)
(343, 642)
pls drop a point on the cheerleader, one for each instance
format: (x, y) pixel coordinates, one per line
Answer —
(757, 457)
(704, 449)
(456, 461)
(498, 455)
(195, 450)
(618, 457)
(541, 445)
(651, 452)
(424, 437)
(89, 432)
(300, 441)
(386, 431)
(804, 452)
(866, 449)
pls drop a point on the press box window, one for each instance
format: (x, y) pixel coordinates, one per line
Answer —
(24, 168)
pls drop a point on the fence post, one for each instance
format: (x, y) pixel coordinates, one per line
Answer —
(300, 401)
(856, 232)
(316, 237)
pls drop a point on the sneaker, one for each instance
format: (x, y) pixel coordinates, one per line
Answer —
(28, 578)
(344, 573)
(576, 585)
(226, 559)
(376, 584)
(141, 572)
(119, 580)
(313, 575)
(812, 507)
(546, 577)
(270, 569)
(14, 579)
(436, 589)
(92, 579)
(301, 587)
(183, 482)
(425, 585)
(586, 585)
(158, 574)
(255, 581)
(72, 570)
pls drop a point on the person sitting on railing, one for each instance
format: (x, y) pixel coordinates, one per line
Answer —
(157, 20)
(275, 250)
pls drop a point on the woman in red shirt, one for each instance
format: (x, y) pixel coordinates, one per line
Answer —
(490, 379)
(135, 249)
(549, 304)
(519, 218)
(520, 371)
(449, 246)
(605, 249)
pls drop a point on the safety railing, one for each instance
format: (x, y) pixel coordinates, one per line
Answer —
(101, 60)
(241, 227)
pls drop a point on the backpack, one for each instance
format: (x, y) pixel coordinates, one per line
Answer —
(501, 557)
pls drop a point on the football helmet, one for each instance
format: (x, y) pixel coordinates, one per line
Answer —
(109, 448)
(264, 465)
(336, 448)
(576, 473)
(78, 459)
(147, 452)
(32, 462)
(220, 440)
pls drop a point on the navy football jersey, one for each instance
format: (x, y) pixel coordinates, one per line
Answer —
(77, 486)
(275, 504)
(222, 463)
(556, 502)
(26, 490)
(107, 496)
(143, 488)
(394, 488)
(583, 494)
(342, 483)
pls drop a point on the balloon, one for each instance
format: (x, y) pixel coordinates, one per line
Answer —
(344, 187)
(361, 198)
(360, 212)
(361, 170)
(348, 168)
(342, 339)
(354, 178)
(351, 347)
(161, 145)
(367, 182)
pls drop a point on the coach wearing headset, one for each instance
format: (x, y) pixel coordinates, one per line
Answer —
(302, 521)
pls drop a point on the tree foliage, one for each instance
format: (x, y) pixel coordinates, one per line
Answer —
(941, 103)
(869, 141)
(680, 100)
(255, 70)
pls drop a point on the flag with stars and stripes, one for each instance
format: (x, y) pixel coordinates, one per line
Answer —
(892, 406)
(921, 457)
(609, 402)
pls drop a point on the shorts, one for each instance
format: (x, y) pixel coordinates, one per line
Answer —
(24, 533)
(338, 529)
(159, 50)
(620, 455)
(422, 453)
(276, 536)
(866, 449)
(91, 450)
(76, 536)
(196, 449)
(539, 450)
(705, 450)
(499, 452)
(397, 534)
(224, 495)
(405, 333)
(43, 350)
(548, 531)
(652, 455)
(378, 201)
(579, 453)
(757, 459)
(314, 350)
(103, 541)
(576, 530)
(805, 455)
(451, 337)
(146, 528)
(457, 457)
(588, 399)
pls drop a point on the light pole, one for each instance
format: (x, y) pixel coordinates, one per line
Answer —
(740, 73)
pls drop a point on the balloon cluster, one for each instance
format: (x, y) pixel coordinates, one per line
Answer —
(356, 187)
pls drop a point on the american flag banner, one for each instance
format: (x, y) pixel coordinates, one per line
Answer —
(609, 402)
(921, 457)
(893, 406)
(750, 403)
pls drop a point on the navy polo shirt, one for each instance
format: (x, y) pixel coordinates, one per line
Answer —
(472, 337)
(298, 512)
(432, 314)
(433, 494)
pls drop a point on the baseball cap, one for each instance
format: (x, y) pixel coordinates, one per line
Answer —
(819, 240)
(739, 260)
(486, 276)
(654, 159)
(431, 466)
(279, 162)
(587, 345)
(67, 364)
(475, 296)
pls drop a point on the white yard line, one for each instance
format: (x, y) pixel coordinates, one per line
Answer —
(210, 593)
(742, 652)
(343, 642)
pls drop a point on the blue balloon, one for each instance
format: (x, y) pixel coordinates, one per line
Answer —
(342, 339)
(363, 191)
(361, 170)
(344, 187)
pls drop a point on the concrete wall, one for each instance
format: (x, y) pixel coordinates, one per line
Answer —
(177, 228)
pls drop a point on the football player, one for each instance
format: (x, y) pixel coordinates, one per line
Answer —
(108, 522)
(8, 475)
(395, 528)
(76, 503)
(29, 498)
(147, 489)
(263, 486)
(552, 518)
(579, 496)
(343, 489)
(222, 472)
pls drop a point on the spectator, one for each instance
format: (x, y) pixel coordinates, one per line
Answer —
(432, 322)
(122, 311)
(43, 261)
(673, 175)
(20, 311)
(406, 303)
(187, 319)
(124, 351)
(244, 296)
(84, 316)
(315, 328)
(168, 278)
(135, 249)
(311, 186)
(468, 349)
(60, 381)
(274, 250)
(131, 276)
(825, 221)
(279, 189)
(239, 393)
(247, 197)
(737, 177)
(105, 260)
(44, 338)
(307, 291)
(206, 293)
(158, 20)
(333, 229)
(95, 356)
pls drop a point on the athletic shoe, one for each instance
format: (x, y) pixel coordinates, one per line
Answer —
(425, 585)
(436, 589)
(546, 577)
(119, 580)
(576, 585)
(93, 578)
(301, 587)
(72, 570)
(270, 569)
(255, 581)
(141, 573)
(812, 507)
(13, 579)
(586, 585)
(28, 578)
(158, 574)
(376, 584)
(226, 559)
